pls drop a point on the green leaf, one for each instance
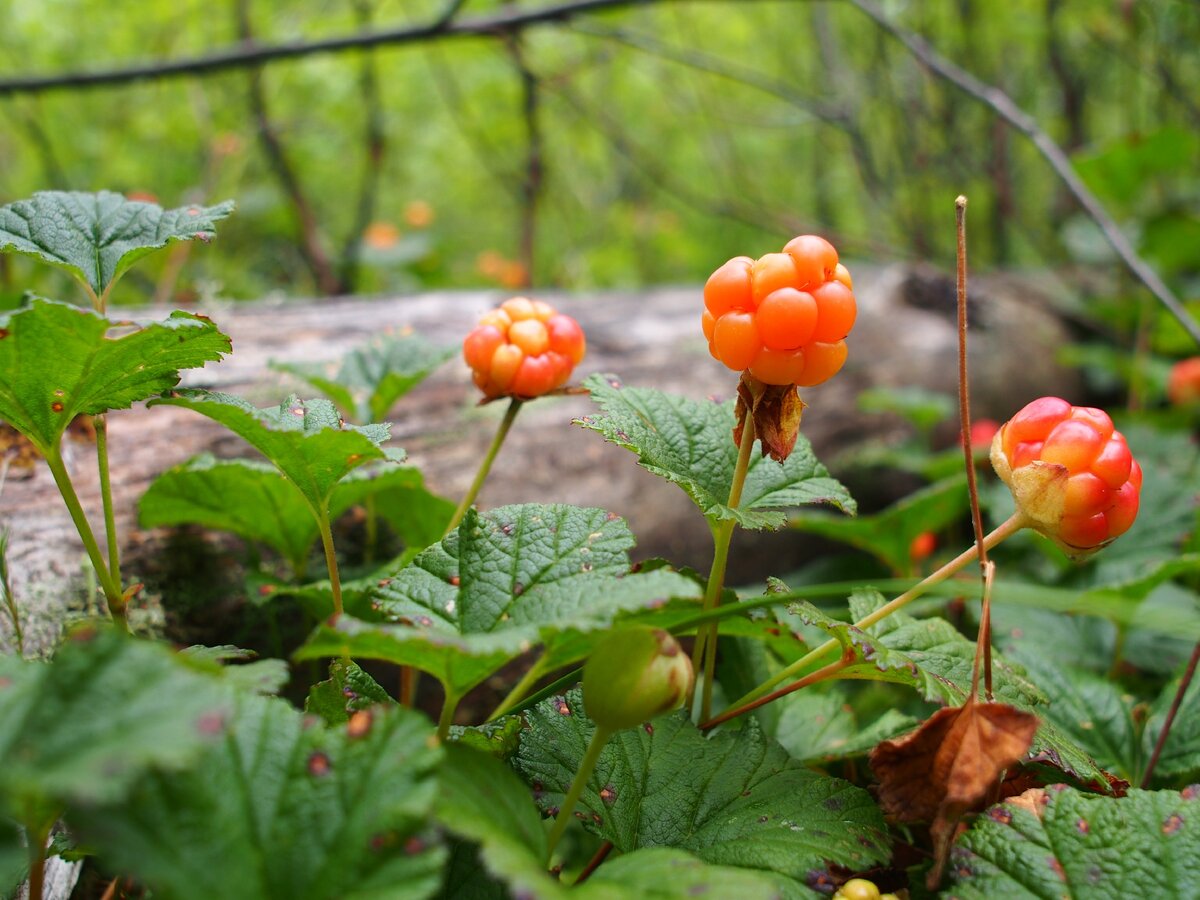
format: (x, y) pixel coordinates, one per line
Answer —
(817, 727)
(690, 443)
(97, 237)
(665, 873)
(86, 726)
(504, 582)
(58, 361)
(255, 501)
(14, 858)
(372, 378)
(305, 439)
(1084, 846)
(499, 739)
(733, 799)
(888, 535)
(284, 808)
(347, 690)
(1180, 757)
(261, 676)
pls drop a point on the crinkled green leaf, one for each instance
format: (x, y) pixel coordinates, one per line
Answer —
(690, 443)
(666, 873)
(817, 727)
(347, 690)
(1180, 757)
(58, 361)
(281, 807)
(306, 439)
(735, 798)
(97, 237)
(370, 379)
(248, 673)
(889, 534)
(86, 726)
(14, 858)
(257, 502)
(499, 739)
(1082, 846)
(504, 582)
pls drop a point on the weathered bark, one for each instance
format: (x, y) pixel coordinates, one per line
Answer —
(905, 336)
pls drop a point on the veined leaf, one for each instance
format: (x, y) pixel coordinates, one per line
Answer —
(372, 378)
(58, 361)
(506, 581)
(347, 690)
(821, 727)
(279, 808)
(305, 439)
(1180, 756)
(1063, 843)
(97, 237)
(735, 799)
(86, 726)
(689, 442)
(257, 502)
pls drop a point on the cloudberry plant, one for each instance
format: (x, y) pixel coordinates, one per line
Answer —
(524, 348)
(783, 317)
(1071, 473)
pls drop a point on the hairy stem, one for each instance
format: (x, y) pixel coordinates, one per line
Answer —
(722, 536)
(510, 414)
(586, 766)
(1005, 530)
(1188, 674)
(517, 694)
(112, 590)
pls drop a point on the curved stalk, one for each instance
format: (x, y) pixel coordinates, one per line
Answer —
(517, 694)
(446, 719)
(110, 520)
(586, 766)
(510, 415)
(1005, 530)
(335, 581)
(1148, 774)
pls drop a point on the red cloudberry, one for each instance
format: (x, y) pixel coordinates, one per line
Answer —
(783, 317)
(1183, 384)
(1071, 473)
(523, 348)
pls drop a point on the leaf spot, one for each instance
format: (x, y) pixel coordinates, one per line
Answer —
(562, 707)
(4, 332)
(518, 589)
(210, 724)
(424, 621)
(192, 211)
(56, 406)
(609, 795)
(359, 724)
(1082, 826)
(455, 581)
(297, 410)
(649, 729)
(59, 392)
(1191, 792)
(1000, 814)
(1173, 824)
(1056, 867)
(319, 764)
(414, 845)
(586, 567)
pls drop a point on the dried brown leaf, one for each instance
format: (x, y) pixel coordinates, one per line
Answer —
(776, 411)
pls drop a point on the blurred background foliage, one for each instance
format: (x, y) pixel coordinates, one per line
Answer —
(629, 147)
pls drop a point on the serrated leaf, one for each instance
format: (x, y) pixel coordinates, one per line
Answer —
(888, 535)
(86, 726)
(14, 858)
(261, 676)
(305, 439)
(499, 739)
(255, 501)
(281, 809)
(733, 799)
(504, 582)
(1063, 843)
(819, 727)
(347, 690)
(370, 379)
(666, 873)
(58, 361)
(689, 443)
(97, 237)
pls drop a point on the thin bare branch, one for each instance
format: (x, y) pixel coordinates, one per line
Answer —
(1003, 106)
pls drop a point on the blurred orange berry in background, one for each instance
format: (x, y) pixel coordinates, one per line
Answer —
(142, 197)
(922, 546)
(381, 235)
(982, 433)
(1183, 384)
(418, 214)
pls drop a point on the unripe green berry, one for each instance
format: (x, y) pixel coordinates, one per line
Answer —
(635, 674)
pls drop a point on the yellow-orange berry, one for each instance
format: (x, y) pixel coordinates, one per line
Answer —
(524, 348)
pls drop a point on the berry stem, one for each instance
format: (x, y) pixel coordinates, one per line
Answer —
(112, 590)
(1188, 674)
(706, 640)
(1006, 529)
(821, 674)
(510, 414)
(517, 694)
(446, 719)
(586, 766)
(110, 522)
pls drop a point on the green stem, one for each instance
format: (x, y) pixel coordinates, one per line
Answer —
(822, 674)
(106, 499)
(446, 719)
(722, 536)
(335, 581)
(517, 694)
(112, 590)
(1005, 530)
(510, 414)
(586, 766)
(1148, 773)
